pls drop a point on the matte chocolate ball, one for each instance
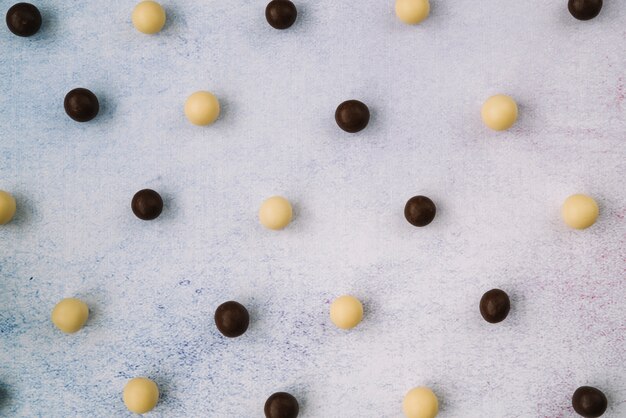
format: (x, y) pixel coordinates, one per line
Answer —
(495, 306)
(352, 116)
(584, 9)
(281, 405)
(419, 211)
(23, 19)
(232, 319)
(589, 402)
(147, 204)
(81, 105)
(281, 14)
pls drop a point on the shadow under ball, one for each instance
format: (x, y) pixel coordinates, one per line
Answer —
(147, 204)
(589, 402)
(281, 405)
(81, 105)
(23, 19)
(420, 211)
(232, 319)
(584, 9)
(352, 116)
(281, 14)
(495, 306)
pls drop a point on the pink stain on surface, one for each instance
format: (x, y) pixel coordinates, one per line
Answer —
(620, 95)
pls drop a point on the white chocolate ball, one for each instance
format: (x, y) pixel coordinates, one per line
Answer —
(140, 395)
(420, 402)
(412, 11)
(69, 315)
(148, 17)
(346, 312)
(580, 211)
(7, 207)
(275, 213)
(499, 112)
(202, 108)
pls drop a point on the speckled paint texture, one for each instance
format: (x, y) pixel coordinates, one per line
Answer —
(152, 287)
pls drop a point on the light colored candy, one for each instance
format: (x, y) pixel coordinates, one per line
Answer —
(202, 108)
(412, 11)
(140, 395)
(420, 402)
(346, 312)
(69, 315)
(275, 213)
(148, 17)
(499, 112)
(580, 211)
(7, 207)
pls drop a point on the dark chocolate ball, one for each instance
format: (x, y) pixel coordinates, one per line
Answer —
(281, 405)
(232, 319)
(584, 9)
(589, 402)
(495, 306)
(147, 204)
(81, 105)
(281, 14)
(352, 116)
(23, 19)
(419, 211)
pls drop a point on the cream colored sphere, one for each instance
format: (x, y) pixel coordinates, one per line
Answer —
(202, 108)
(580, 211)
(69, 315)
(499, 112)
(275, 213)
(7, 207)
(148, 17)
(420, 402)
(141, 395)
(412, 11)
(346, 312)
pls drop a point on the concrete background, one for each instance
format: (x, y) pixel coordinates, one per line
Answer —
(152, 287)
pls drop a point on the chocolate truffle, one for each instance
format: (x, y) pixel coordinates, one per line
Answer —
(580, 211)
(499, 112)
(232, 319)
(281, 14)
(148, 17)
(140, 395)
(495, 306)
(589, 402)
(420, 402)
(81, 105)
(147, 204)
(69, 315)
(352, 116)
(419, 211)
(584, 9)
(23, 19)
(281, 405)
(275, 213)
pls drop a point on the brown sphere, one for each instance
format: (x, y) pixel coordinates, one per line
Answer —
(589, 402)
(147, 204)
(81, 105)
(281, 405)
(232, 319)
(23, 19)
(352, 116)
(420, 211)
(584, 9)
(495, 306)
(281, 14)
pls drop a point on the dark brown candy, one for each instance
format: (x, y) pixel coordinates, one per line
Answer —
(495, 306)
(281, 405)
(584, 9)
(81, 105)
(232, 319)
(281, 14)
(589, 402)
(352, 116)
(23, 19)
(147, 204)
(419, 211)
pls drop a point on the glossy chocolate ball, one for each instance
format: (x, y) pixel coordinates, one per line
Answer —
(281, 14)
(352, 116)
(23, 19)
(589, 402)
(232, 319)
(81, 105)
(281, 405)
(419, 211)
(495, 306)
(147, 204)
(584, 9)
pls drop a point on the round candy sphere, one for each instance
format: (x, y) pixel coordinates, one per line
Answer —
(584, 9)
(140, 395)
(148, 17)
(147, 204)
(495, 306)
(281, 405)
(420, 402)
(412, 11)
(281, 14)
(419, 211)
(69, 315)
(81, 105)
(275, 213)
(7, 207)
(352, 116)
(579, 211)
(23, 19)
(232, 319)
(589, 402)
(202, 108)
(499, 112)
(346, 312)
